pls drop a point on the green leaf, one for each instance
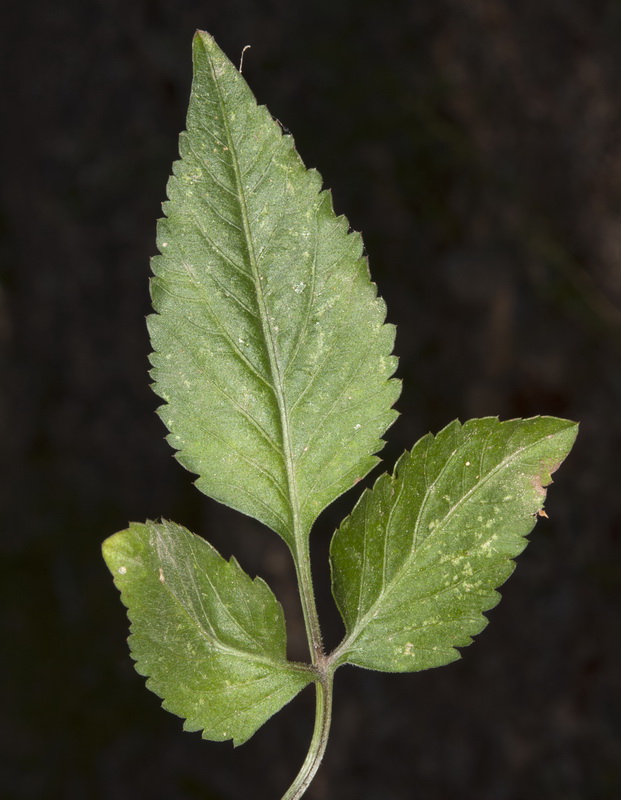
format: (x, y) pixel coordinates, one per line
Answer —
(420, 557)
(210, 639)
(271, 350)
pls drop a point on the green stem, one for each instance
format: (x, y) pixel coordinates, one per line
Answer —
(324, 672)
(323, 716)
(302, 563)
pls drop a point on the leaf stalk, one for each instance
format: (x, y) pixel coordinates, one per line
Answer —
(301, 559)
(322, 666)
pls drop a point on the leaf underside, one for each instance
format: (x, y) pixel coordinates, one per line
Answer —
(275, 365)
(209, 638)
(418, 561)
(271, 350)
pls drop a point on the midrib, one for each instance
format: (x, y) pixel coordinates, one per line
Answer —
(268, 333)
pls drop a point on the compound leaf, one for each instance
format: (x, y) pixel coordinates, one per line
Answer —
(209, 638)
(271, 351)
(418, 561)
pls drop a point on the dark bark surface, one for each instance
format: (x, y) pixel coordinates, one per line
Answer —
(477, 145)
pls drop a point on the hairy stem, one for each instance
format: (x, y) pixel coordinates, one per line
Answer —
(323, 716)
(301, 559)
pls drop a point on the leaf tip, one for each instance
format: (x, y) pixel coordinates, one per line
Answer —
(111, 549)
(202, 37)
(107, 551)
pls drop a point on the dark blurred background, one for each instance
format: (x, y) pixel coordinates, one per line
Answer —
(477, 145)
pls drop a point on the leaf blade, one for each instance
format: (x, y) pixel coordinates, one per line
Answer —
(441, 553)
(268, 329)
(210, 640)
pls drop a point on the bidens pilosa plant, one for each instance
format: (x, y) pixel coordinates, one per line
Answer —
(274, 362)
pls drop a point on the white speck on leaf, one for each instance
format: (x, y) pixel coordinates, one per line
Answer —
(122, 570)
